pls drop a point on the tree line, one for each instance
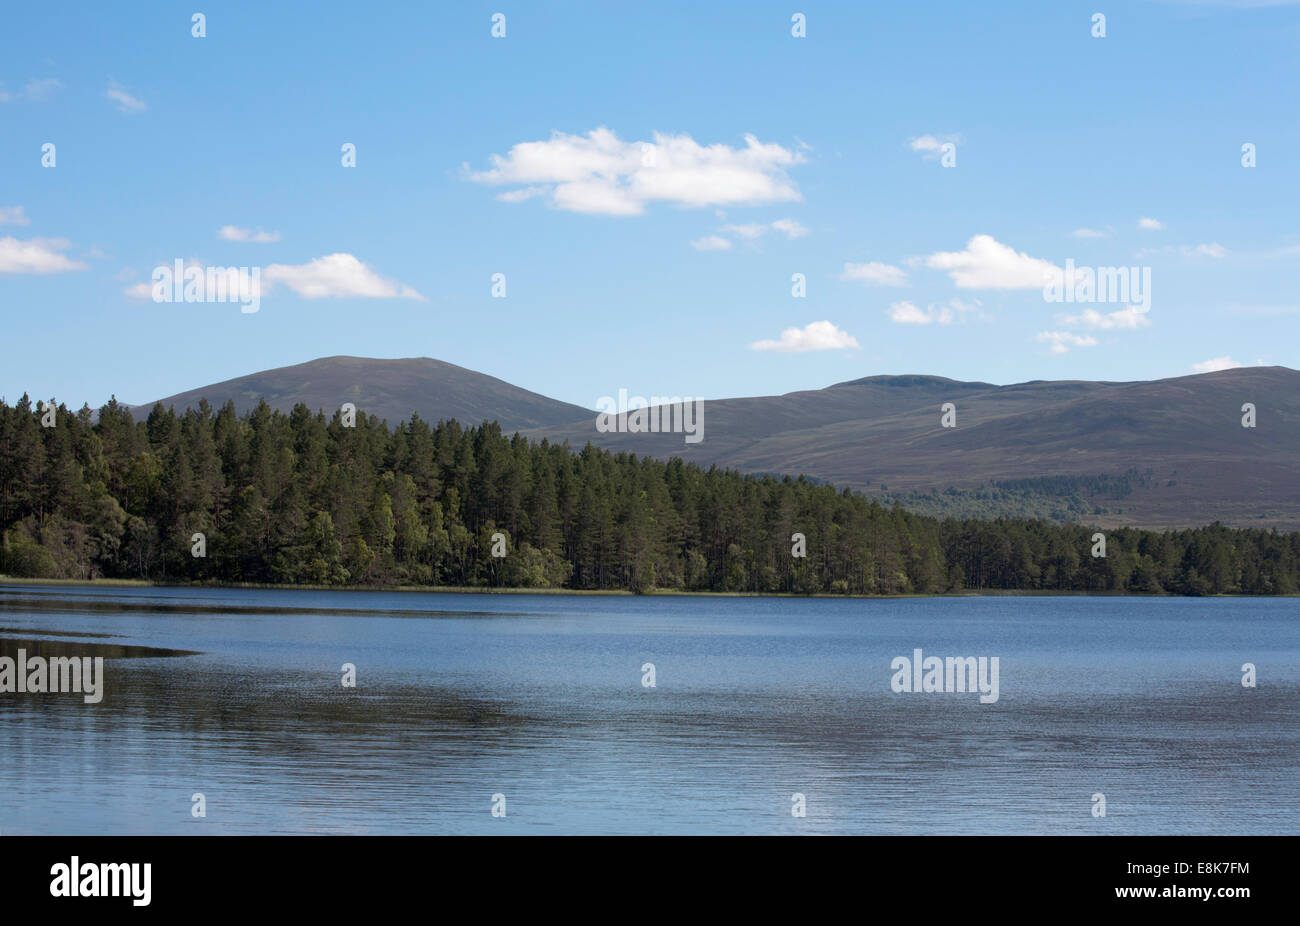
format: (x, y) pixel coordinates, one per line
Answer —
(299, 498)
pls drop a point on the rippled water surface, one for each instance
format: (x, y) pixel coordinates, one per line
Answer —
(237, 695)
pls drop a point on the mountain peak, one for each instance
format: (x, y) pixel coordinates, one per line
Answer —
(913, 381)
(388, 388)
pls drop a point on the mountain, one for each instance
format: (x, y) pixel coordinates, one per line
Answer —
(1182, 439)
(388, 389)
(1173, 452)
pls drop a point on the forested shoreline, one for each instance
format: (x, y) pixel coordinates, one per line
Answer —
(300, 498)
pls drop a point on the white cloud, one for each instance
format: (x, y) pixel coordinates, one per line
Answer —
(954, 310)
(711, 243)
(1149, 224)
(37, 255)
(905, 313)
(875, 273)
(753, 230)
(13, 215)
(1212, 249)
(1214, 364)
(1127, 318)
(600, 174)
(1088, 233)
(815, 336)
(336, 276)
(125, 101)
(38, 91)
(1062, 341)
(234, 233)
(989, 264)
(34, 91)
(930, 147)
(521, 194)
(791, 228)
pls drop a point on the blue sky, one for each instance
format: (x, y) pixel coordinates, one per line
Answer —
(646, 244)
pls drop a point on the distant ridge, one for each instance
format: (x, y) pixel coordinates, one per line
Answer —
(1183, 434)
(860, 434)
(389, 389)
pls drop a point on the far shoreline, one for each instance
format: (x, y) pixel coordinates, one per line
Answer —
(580, 592)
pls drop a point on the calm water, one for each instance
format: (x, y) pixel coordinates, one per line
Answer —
(539, 698)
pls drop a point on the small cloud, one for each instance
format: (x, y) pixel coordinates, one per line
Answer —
(1149, 224)
(139, 291)
(905, 313)
(520, 195)
(791, 228)
(753, 230)
(988, 264)
(712, 243)
(13, 215)
(38, 91)
(1062, 341)
(1212, 249)
(1088, 233)
(34, 91)
(1128, 318)
(1215, 364)
(931, 147)
(815, 336)
(875, 273)
(234, 233)
(337, 276)
(954, 310)
(126, 103)
(37, 255)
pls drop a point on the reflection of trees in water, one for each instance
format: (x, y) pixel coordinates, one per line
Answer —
(269, 714)
(9, 646)
(283, 717)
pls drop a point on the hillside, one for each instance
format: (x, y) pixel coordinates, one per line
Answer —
(389, 389)
(1012, 446)
(885, 431)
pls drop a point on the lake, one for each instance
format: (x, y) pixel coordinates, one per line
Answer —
(538, 700)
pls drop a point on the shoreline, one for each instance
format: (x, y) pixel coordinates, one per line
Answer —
(581, 592)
